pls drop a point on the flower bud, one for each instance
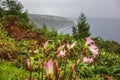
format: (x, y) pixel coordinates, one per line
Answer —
(46, 44)
(56, 69)
(72, 68)
(59, 57)
(49, 68)
(30, 65)
(78, 61)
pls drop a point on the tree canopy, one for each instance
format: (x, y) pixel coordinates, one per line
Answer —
(82, 28)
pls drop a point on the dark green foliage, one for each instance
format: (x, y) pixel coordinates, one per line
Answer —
(24, 16)
(82, 29)
(106, 65)
(44, 27)
(1, 12)
(75, 33)
(108, 45)
(13, 7)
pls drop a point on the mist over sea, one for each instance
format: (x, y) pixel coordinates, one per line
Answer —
(107, 28)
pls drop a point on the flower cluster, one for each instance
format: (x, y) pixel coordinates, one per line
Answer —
(93, 48)
(54, 71)
(62, 53)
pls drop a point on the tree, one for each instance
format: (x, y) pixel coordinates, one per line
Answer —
(82, 29)
(75, 33)
(1, 12)
(13, 11)
(44, 27)
(12, 7)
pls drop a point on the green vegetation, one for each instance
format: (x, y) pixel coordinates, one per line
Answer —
(27, 53)
(9, 71)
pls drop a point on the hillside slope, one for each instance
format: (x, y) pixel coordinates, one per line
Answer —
(55, 22)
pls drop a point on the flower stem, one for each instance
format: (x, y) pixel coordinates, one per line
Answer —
(65, 68)
(42, 68)
(78, 59)
(38, 75)
(70, 76)
(30, 78)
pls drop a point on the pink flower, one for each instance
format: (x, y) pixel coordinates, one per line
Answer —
(91, 60)
(94, 50)
(89, 41)
(62, 53)
(85, 59)
(49, 67)
(88, 60)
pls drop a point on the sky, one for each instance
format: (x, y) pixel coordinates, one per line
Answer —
(73, 8)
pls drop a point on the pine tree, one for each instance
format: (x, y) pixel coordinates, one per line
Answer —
(82, 29)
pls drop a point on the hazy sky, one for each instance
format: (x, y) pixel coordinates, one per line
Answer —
(73, 8)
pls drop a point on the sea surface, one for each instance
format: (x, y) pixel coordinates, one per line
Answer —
(107, 28)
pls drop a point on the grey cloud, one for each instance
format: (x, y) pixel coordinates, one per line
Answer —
(72, 8)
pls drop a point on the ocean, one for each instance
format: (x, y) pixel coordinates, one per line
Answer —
(107, 28)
